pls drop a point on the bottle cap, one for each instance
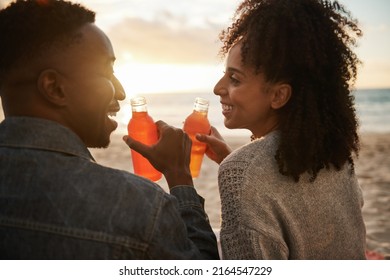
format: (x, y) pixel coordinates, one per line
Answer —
(202, 101)
(138, 101)
(201, 104)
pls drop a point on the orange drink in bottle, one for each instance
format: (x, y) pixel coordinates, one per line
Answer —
(197, 122)
(142, 128)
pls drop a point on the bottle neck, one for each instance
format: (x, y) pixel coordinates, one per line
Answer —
(201, 105)
(139, 108)
(138, 104)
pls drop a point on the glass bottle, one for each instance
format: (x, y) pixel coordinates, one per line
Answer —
(197, 122)
(142, 128)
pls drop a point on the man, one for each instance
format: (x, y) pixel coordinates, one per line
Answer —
(57, 88)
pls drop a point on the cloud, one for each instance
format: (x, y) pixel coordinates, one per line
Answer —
(167, 39)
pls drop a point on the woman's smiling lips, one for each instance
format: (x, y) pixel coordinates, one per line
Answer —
(226, 109)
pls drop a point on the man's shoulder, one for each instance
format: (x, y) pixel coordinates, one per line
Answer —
(120, 180)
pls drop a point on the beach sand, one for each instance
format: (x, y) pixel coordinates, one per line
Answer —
(372, 168)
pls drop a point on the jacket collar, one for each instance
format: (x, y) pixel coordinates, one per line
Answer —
(41, 134)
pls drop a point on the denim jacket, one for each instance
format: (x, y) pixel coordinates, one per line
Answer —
(56, 202)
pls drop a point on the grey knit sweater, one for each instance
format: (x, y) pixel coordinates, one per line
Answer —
(266, 215)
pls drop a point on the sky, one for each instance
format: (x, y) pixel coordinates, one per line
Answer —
(172, 46)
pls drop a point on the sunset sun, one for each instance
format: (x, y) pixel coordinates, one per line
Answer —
(139, 78)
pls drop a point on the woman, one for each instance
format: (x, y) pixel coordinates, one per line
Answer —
(292, 192)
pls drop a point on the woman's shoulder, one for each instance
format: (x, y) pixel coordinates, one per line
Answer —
(262, 148)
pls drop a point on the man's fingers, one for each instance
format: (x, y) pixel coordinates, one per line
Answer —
(137, 146)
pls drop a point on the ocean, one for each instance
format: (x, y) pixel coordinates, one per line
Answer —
(372, 107)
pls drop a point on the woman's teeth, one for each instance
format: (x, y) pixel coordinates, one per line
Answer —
(226, 108)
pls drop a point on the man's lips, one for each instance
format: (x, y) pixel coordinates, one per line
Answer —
(112, 114)
(112, 111)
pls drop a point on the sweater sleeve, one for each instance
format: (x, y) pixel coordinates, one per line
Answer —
(248, 244)
(241, 239)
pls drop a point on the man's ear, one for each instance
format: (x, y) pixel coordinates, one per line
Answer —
(281, 95)
(50, 86)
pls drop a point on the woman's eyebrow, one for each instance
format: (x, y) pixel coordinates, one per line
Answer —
(235, 70)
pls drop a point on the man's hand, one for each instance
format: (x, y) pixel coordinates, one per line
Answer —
(170, 155)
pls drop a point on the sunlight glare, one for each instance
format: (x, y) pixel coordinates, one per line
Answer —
(139, 78)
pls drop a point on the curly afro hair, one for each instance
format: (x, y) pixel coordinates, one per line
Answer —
(308, 44)
(30, 28)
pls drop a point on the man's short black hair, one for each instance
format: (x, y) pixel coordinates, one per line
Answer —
(30, 28)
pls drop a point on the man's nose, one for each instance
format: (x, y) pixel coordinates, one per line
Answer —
(120, 93)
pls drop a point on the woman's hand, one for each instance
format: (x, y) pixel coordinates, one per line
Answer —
(217, 149)
(170, 155)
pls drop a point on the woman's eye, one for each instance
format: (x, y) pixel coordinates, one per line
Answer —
(234, 80)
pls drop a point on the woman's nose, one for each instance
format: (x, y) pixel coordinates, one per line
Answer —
(219, 89)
